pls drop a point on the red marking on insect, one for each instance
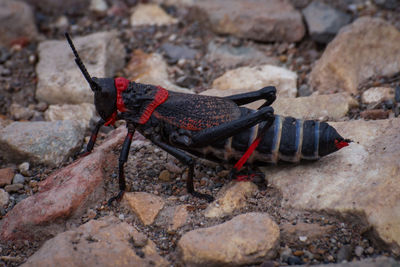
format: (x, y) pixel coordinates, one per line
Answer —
(247, 154)
(121, 84)
(111, 120)
(341, 144)
(160, 97)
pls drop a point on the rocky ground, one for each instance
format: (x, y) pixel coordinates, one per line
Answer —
(336, 62)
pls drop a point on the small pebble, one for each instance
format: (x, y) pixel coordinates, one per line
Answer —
(91, 214)
(13, 188)
(4, 198)
(298, 253)
(24, 168)
(359, 250)
(293, 260)
(303, 238)
(344, 253)
(121, 216)
(370, 250)
(165, 176)
(18, 179)
(285, 253)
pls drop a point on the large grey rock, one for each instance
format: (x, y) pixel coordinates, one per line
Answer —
(47, 143)
(247, 239)
(324, 21)
(104, 242)
(16, 22)
(368, 47)
(261, 20)
(82, 113)
(360, 181)
(59, 79)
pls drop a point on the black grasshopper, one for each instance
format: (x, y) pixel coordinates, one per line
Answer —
(214, 128)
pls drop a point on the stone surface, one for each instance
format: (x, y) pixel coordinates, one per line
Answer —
(179, 217)
(82, 113)
(103, 242)
(18, 179)
(4, 198)
(247, 239)
(173, 53)
(150, 14)
(19, 112)
(247, 79)
(98, 6)
(324, 21)
(59, 6)
(17, 22)
(367, 47)
(377, 95)
(59, 79)
(146, 206)
(360, 181)
(6, 176)
(371, 262)
(47, 143)
(150, 69)
(261, 20)
(312, 231)
(12, 188)
(65, 194)
(375, 114)
(230, 56)
(231, 197)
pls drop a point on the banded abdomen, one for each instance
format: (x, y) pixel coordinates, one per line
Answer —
(288, 139)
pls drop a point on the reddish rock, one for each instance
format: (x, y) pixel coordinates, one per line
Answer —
(6, 176)
(65, 194)
(146, 206)
(374, 114)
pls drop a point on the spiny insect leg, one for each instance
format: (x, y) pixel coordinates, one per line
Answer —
(268, 93)
(123, 157)
(187, 160)
(93, 137)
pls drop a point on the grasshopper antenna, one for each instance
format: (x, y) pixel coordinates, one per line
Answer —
(93, 85)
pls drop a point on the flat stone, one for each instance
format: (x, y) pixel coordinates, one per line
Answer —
(6, 176)
(247, 79)
(103, 242)
(375, 114)
(312, 231)
(65, 194)
(360, 181)
(81, 113)
(150, 69)
(179, 217)
(12, 188)
(231, 197)
(146, 206)
(229, 56)
(247, 239)
(59, 79)
(261, 20)
(324, 21)
(17, 22)
(4, 198)
(377, 95)
(47, 143)
(368, 47)
(333, 106)
(151, 14)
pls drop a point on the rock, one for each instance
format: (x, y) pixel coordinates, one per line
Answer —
(359, 251)
(347, 183)
(12, 188)
(6, 176)
(389, 4)
(333, 106)
(150, 69)
(231, 197)
(4, 198)
(18, 179)
(164, 176)
(56, 7)
(174, 53)
(246, 79)
(261, 20)
(65, 194)
(374, 114)
(103, 242)
(229, 57)
(146, 206)
(24, 168)
(19, 112)
(311, 231)
(324, 21)
(179, 217)
(59, 79)
(285, 253)
(344, 253)
(82, 113)
(151, 14)
(16, 22)
(367, 47)
(371, 262)
(247, 239)
(99, 6)
(377, 95)
(47, 143)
